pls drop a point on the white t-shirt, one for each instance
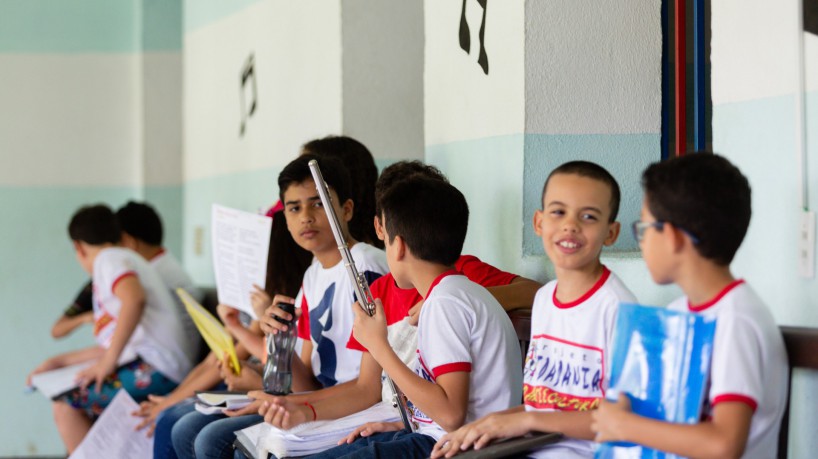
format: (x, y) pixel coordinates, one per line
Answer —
(568, 361)
(326, 298)
(463, 328)
(749, 363)
(172, 274)
(159, 338)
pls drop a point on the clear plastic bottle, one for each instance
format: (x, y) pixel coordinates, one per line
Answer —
(278, 376)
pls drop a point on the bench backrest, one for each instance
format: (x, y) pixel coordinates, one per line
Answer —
(802, 352)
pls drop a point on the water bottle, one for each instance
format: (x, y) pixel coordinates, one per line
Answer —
(278, 376)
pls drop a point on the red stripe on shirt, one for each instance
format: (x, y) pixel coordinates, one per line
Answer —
(605, 274)
(724, 291)
(439, 278)
(749, 401)
(122, 276)
(451, 368)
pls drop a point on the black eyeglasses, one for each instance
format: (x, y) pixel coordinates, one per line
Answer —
(638, 227)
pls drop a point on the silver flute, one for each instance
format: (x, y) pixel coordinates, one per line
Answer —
(358, 280)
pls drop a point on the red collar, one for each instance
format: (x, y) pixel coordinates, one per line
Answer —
(158, 254)
(724, 291)
(606, 273)
(451, 272)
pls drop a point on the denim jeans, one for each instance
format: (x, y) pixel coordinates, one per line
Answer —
(162, 443)
(198, 435)
(383, 445)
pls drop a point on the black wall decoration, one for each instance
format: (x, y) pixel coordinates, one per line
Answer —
(811, 16)
(465, 36)
(248, 77)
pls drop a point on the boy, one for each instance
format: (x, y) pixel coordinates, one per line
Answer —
(140, 338)
(326, 319)
(572, 321)
(695, 214)
(467, 354)
(402, 308)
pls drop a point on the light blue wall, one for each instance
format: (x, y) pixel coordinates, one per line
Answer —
(199, 13)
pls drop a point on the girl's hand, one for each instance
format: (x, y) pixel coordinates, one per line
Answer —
(480, 433)
(247, 379)
(370, 331)
(96, 374)
(260, 300)
(607, 419)
(229, 316)
(284, 414)
(370, 428)
(148, 411)
(252, 408)
(267, 320)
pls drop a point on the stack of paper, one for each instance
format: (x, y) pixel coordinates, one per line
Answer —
(213, 332)
(311, 437)
(214, 402)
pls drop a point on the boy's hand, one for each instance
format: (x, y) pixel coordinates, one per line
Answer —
(369, 331)
(607, 419)
(414, 313)
(285, 414)
(96, 374)
(47, 365)
(371, 428)
(260, 300)
(228, 315)
(247, 379)
(148, 411)
(267, 320)
(252, 408)
(480, 433)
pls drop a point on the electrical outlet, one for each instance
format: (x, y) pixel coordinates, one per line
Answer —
(198, 240)
(806, 245)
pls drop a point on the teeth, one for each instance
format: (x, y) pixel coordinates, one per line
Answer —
(568, 244)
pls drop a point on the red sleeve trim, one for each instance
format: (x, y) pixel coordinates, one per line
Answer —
(304, 320)
(122, 276)
(749, 401)
(451, 368)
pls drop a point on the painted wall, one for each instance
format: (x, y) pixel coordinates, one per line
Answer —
(754, 124)
(90, 113)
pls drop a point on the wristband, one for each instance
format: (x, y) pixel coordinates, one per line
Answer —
(314, 415)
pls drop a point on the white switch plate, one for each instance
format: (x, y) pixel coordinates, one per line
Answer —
(806, 245)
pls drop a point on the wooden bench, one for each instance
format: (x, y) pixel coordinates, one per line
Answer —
(802, 352)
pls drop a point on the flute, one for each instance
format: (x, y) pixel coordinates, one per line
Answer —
(365, 299)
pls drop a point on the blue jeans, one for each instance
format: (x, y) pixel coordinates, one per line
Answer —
(198, 435)
(162, 442)
(383, 445)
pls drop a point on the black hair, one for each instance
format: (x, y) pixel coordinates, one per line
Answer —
(94, 225)
(334, 173)
(431, 216)
(705, 195)
(401, 170)
(592, 171)
(362, 173)
(140, 221)
(286, 260)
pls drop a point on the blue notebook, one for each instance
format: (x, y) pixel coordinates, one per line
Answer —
(661, 360)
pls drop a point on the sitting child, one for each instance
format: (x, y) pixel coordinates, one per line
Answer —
(694, 217)
(141, 345)
(572, 321)
(468, 360)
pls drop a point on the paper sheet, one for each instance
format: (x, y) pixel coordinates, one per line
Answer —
(114, 434)
(57, 382)
(240, 242)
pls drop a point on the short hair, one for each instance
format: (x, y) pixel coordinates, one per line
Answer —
(431, 216)
(94, 225)
(298, 171)
(592, 171)
(140, 221)
(401, 170)
(363, 173)
(705, 195)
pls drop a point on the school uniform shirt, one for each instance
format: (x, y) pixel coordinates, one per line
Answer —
(174, 277)
(567, 363)
(463, 328)
(159, 337)
(326, 299)
(397, 302)
(749, 362)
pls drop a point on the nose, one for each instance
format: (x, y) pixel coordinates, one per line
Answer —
(306, 214)
(570, 225)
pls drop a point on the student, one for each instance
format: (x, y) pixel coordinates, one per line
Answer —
(402, 309)
(326, 319)
(142, 232)
(572, 321)
(286, 263)
(695, 214)
(468, 357)
(140, 338)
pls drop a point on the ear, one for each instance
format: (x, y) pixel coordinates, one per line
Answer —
(401, 249)
(537, 221)
(378, 227)
(676, 238)
(79, 248)
(613, 233)
(347, 210)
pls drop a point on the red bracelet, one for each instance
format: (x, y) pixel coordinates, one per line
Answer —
(314, 415)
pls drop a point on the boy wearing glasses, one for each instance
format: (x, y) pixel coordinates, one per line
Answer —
(572, 320)
(694, 217)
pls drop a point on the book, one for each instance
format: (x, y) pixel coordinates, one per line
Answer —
(661, 361)
(215, 335)
(215, 402)
(308, 438)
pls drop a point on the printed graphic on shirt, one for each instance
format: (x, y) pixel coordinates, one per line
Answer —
(320, 322)
(423, 372)
(562, 375)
